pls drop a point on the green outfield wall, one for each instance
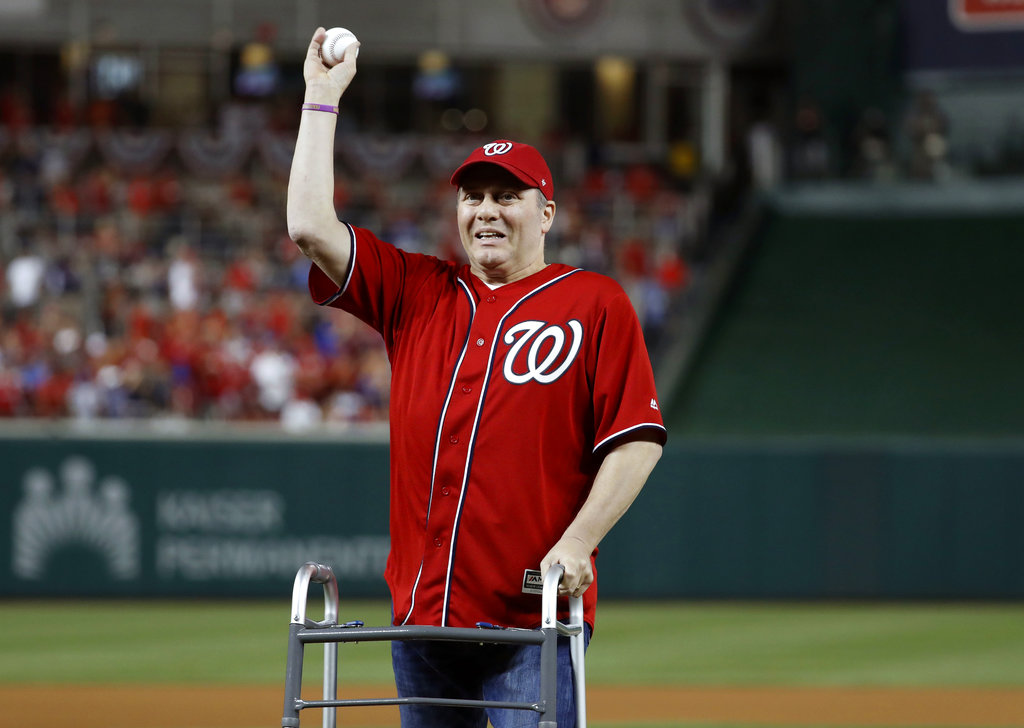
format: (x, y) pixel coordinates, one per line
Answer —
(869, 321)
(775, 518)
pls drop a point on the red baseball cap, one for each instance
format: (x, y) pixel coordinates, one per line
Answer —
(521, 160)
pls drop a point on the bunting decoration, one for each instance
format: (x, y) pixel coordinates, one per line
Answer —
(73, 145)
(442, 155)
(219, 154)
(209, 155)
(133, 151)
(276, 150)
(387, 158)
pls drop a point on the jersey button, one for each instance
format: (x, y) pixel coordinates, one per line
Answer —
(492, 298)
(446, 490)
(453, 439)
(466, 389)
(437, 542)
(480, 342)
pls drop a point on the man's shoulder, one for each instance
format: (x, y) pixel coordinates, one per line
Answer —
(413, 260)
(597, 284)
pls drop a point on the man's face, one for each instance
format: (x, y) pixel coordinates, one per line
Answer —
(502, 224)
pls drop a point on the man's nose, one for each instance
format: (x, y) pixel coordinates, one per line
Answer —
(487, 209)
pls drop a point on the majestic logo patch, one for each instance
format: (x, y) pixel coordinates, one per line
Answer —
(533, 582)
(654, 404)
(545, 360)
(495, 148)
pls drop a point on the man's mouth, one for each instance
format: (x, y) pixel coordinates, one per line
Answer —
(489, 235)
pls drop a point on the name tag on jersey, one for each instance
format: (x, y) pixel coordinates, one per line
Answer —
(533, 582)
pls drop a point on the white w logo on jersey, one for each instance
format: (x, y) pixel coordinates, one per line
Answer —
(553, 365)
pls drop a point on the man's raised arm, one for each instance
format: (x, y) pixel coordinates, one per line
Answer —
(312, 220)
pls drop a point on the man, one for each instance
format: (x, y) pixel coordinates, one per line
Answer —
(524, 419)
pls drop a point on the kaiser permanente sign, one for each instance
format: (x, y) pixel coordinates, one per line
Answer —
(189, 518)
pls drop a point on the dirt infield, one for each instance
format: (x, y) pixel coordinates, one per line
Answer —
(125, 706)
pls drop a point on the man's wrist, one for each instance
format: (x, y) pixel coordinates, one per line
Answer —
(324, 95)
(583, 543)
(320, 107)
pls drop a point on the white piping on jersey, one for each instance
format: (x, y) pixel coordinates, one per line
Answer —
(351, 266)
(473, 434)
(642, 425)
(437, 440)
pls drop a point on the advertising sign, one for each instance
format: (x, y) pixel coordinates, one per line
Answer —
(230, 519)
(982, 15)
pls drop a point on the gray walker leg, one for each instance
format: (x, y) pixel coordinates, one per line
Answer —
(577, 648)
(319, 574)
(329, 633)
(575, 630)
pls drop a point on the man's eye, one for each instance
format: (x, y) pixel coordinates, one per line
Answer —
(509, 196)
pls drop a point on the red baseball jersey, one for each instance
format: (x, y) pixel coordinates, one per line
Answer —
(503, 403)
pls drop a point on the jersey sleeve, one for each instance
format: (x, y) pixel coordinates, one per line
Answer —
(626, 402)
(323, 290)
(380, 279)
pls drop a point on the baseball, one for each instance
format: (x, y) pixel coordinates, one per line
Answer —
(335, 44)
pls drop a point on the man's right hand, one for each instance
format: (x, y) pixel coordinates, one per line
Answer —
(325, 85)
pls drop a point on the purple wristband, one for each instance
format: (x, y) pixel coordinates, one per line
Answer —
(320, 107)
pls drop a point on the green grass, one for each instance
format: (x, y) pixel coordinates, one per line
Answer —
(809, 644)
(674, 643)
(166, 642)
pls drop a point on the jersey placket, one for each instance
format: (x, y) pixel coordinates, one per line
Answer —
(455, 449)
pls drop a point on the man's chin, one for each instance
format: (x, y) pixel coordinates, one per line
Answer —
(491, 260)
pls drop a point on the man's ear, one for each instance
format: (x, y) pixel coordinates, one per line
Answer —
(548, 216)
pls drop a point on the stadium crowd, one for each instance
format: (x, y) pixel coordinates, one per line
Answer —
(147, 272)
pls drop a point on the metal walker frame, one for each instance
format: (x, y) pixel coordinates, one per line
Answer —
(303, 631)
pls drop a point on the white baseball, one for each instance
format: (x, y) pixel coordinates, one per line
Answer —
(335, 44)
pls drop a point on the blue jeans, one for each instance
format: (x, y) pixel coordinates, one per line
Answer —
(473, 671)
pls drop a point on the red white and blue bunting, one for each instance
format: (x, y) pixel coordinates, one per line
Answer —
(135, 152)
(387, 158)
(442, 155)
(220, 154)
(209, 155)
(276, 151)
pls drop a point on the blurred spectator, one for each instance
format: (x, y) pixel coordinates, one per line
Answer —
(809, 157)
(25, 277)
(764, 148)
(15, 108)
(927, 129)
(273, 371)
(872, 147)
(300, 414)
(183, 278)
